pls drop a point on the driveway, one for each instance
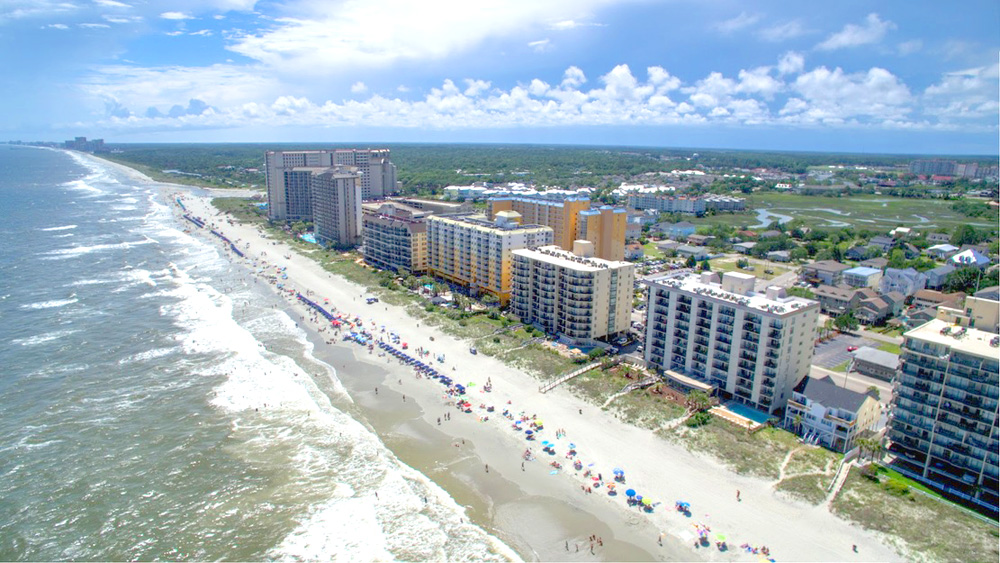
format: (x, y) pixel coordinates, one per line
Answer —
(833, 352)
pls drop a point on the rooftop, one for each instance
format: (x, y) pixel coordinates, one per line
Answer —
(566, 259)
(863, 271)
(689, 281)
(969, 340)
(825, 392)
(827, 266)
(876, 356)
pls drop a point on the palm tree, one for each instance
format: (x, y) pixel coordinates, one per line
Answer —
(699, 401)
(797, 423)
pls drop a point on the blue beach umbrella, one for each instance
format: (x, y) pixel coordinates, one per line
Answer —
(630, 492)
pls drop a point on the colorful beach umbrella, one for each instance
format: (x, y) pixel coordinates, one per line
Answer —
(630, 492)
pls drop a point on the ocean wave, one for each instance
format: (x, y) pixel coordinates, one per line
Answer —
(63, 228)
(51, 304)
(63, 236)
(147, 355)
(42, 338)
(74, 251)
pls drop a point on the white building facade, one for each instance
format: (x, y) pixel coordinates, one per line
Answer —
(755, 347)
(572, 294)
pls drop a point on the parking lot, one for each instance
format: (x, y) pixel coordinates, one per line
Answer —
(833, 352)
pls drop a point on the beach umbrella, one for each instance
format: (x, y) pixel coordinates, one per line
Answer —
(630, 492)
(647, 502)
(572, 446)
(720, 537)
(617, 471)
(529, 432)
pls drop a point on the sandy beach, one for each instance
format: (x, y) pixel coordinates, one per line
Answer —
(543, 513)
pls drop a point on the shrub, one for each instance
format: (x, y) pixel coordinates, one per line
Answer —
(896, 488)
(698, 419)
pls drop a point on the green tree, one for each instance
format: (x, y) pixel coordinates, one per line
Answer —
(874, 392)
(705, 266)
(897, 258)
(698, 401)
(846, 322)
(800, 292)
(968, 279)
(690, 262)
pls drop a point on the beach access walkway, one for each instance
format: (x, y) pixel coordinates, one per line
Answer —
(552, 385)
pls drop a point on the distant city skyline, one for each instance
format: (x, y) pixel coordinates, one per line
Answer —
(765, 75)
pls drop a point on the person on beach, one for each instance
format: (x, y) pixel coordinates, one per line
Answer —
(738, 496)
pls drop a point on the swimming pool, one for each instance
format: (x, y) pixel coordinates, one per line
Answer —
(747, 412)
(308, 237)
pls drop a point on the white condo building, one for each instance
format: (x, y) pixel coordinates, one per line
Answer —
(573, 294)
(755, 347)
(336, 207)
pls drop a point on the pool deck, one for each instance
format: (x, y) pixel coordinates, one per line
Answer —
(739, 420)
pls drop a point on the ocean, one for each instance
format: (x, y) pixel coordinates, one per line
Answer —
(159, 404)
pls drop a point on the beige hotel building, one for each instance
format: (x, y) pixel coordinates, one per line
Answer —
(573, 294)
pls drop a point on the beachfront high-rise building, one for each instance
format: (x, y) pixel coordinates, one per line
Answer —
(562, 215)
(943, 419)
(605, 227)
(395, 236)
(336, 204)
(288, 173)
(572, 294)
(755, 347)
(475, 253)
(690, 205)
(378, 173)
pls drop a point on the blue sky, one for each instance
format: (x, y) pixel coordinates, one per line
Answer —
(891, 76)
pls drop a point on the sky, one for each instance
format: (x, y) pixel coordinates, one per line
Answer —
(912, 77)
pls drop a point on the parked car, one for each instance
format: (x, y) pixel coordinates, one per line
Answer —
(852, 348)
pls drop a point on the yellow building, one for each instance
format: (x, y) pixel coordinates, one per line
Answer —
(605, 227)
(472, 252)
(561, 215)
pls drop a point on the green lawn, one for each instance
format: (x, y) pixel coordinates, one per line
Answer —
(865, 211)
(841, 367)
(889, 347)
(650, 251)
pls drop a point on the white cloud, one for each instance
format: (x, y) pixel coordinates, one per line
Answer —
(176, 16)
(566, 25)
(476, 87)
(366, 34)
(872, 31)
(202, 32)
(94, 25)
(783, 31)
(174, 33)
(910, 47)
(539, 46)
(837, 97)
(791, 63)
(403, 89)
(111, 4)
(573, 78)
(358, 88)
(759, 81)
(737, 23)
(56, 26)
(965, 94)
(121, 19)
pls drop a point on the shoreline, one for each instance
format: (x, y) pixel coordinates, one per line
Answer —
(666, 471)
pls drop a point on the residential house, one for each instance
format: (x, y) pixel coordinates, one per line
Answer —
(634, 251)
(938, 237)
(746, 234)
(633, 230)
(942, 251)
(769, 234)
(700, 240)
(744, 247)
(970, 258)
(677, 231)
(856, 253)
(936, 277)
(836, 300)
(875, 363)
(872, 308)
(882, 242)
(907, 281)
(668, 245)
(862, 276)
(821, 412)
(931, 298)
(879, 263)
(825, 272)
(779, 256)
(698, 252)
(901, 232)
